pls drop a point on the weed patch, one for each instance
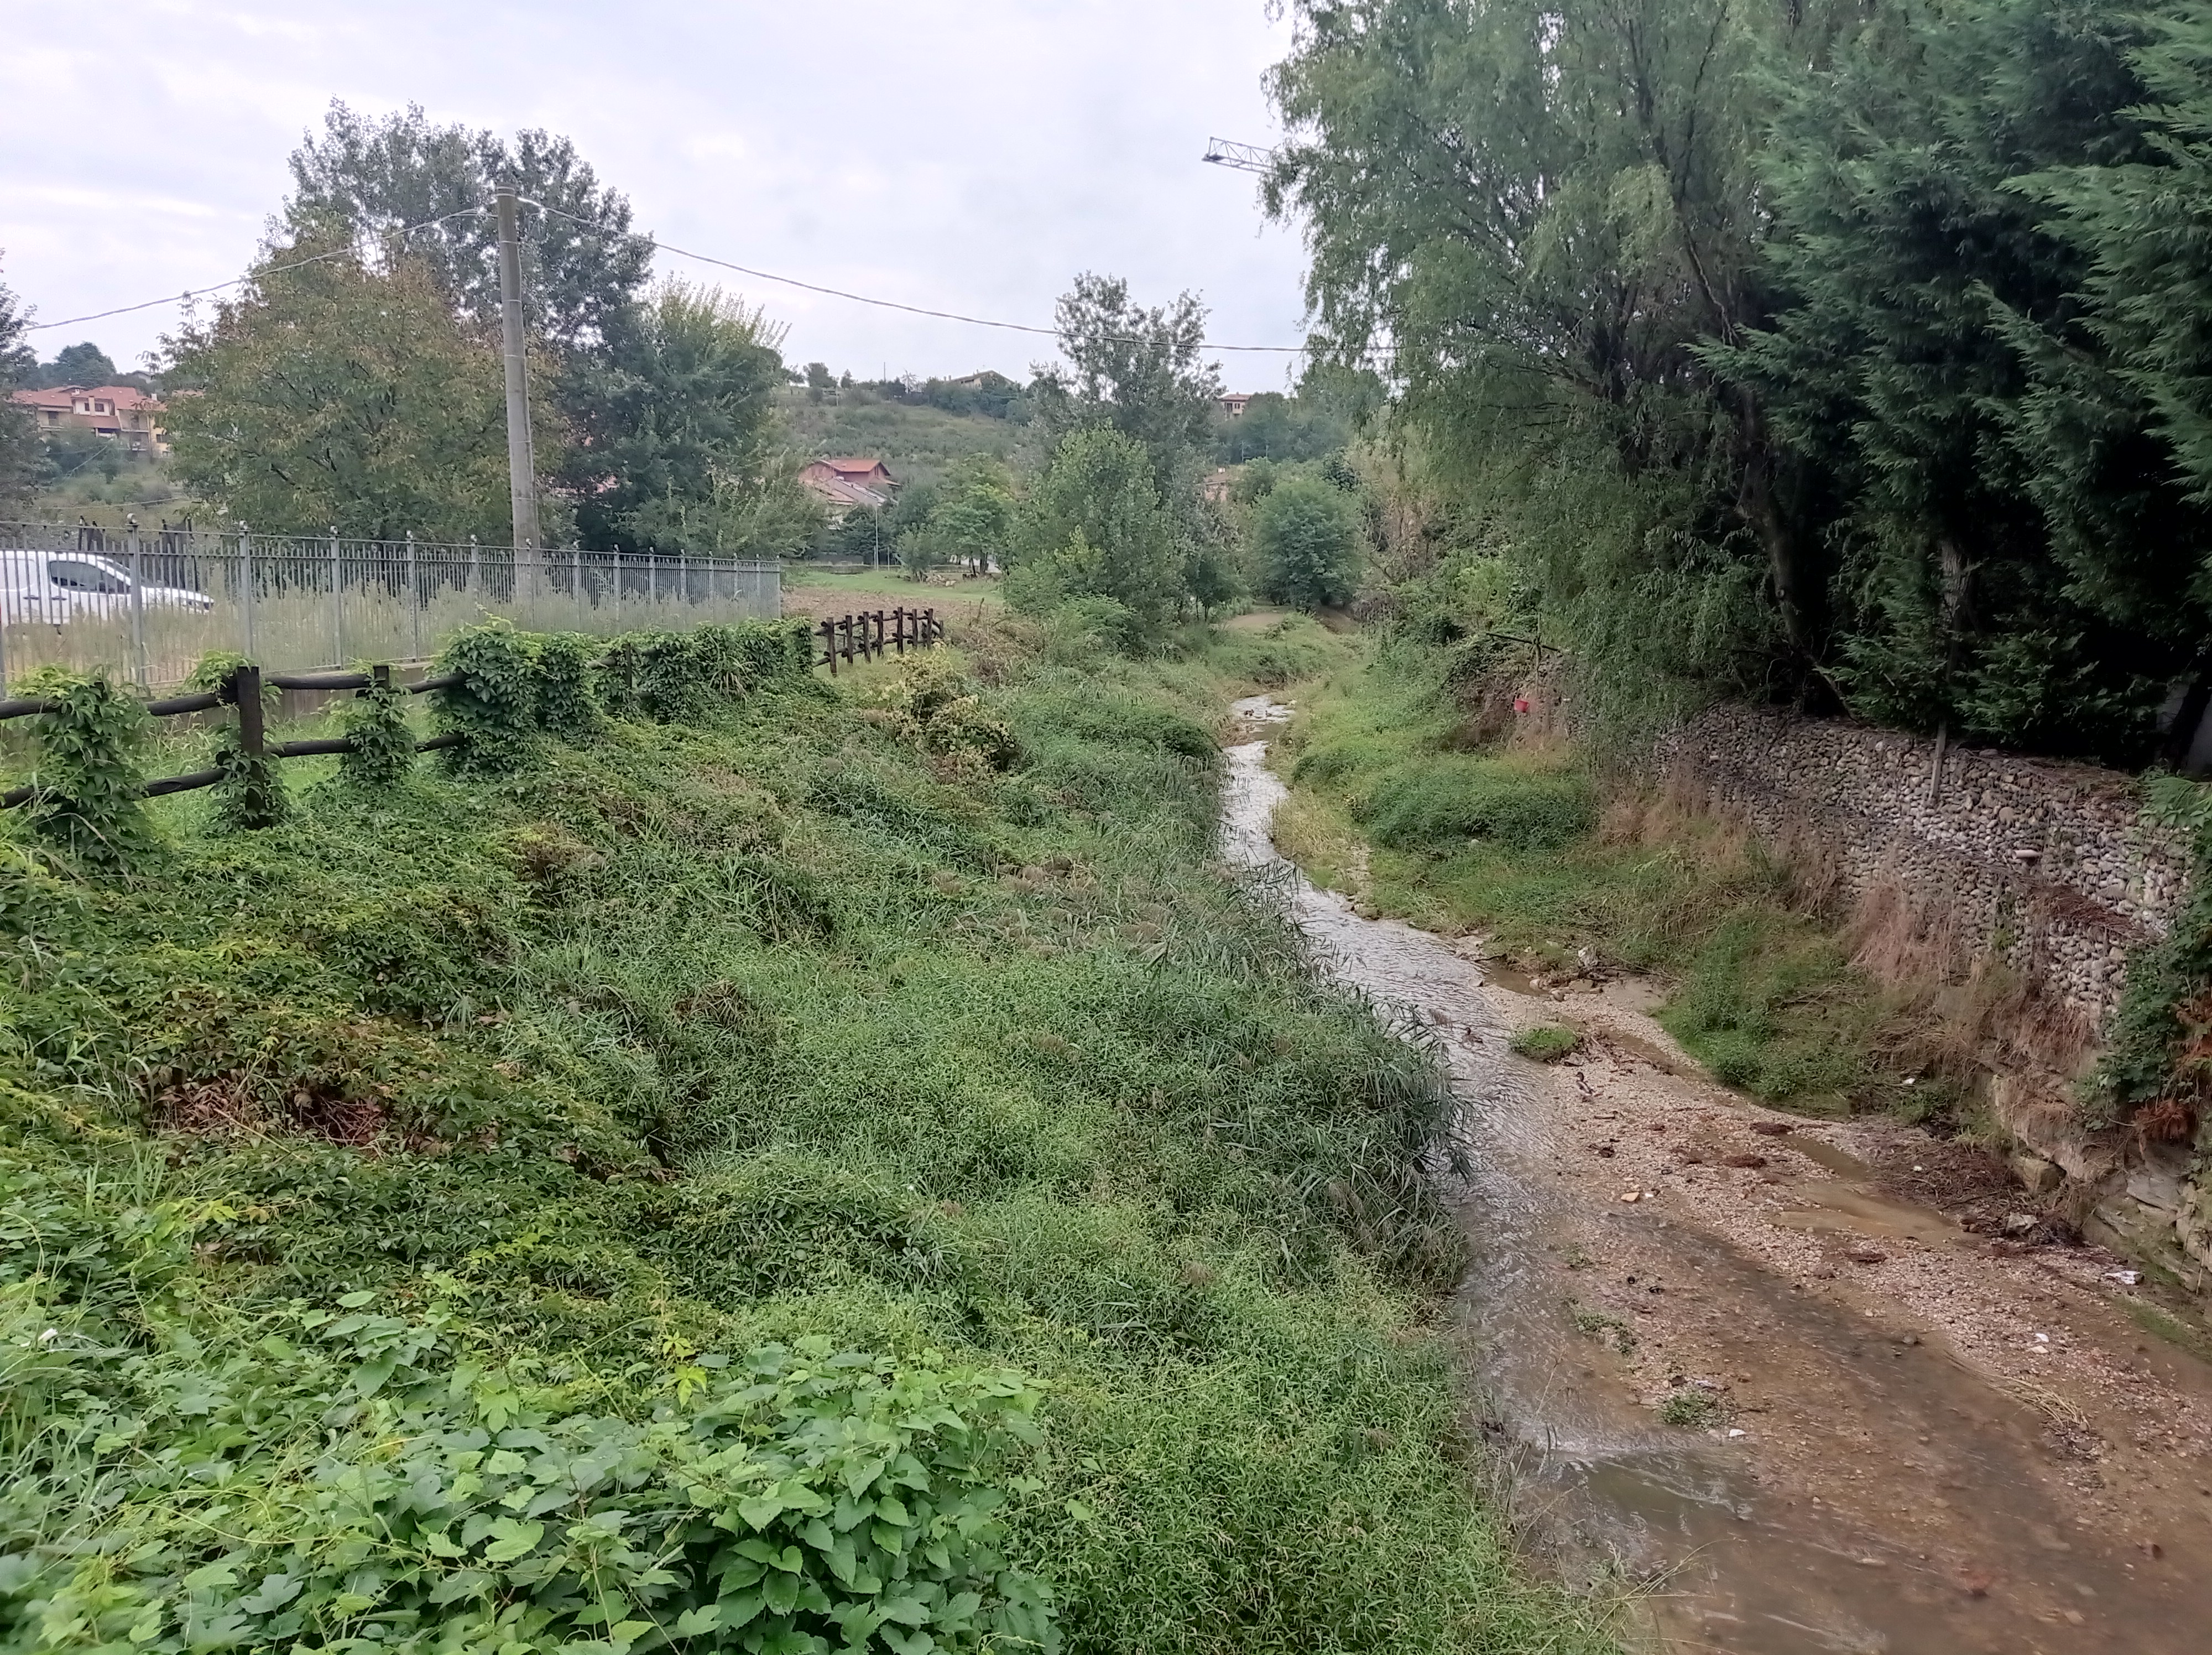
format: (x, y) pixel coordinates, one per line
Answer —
(723, 1174)
(1547, 1042)
(1513, 843)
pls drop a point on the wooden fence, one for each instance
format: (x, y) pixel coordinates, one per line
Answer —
(866, 636)
(242, 689)
(871, 634)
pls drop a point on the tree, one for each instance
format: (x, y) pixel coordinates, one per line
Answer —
(19, 441)
(1140, 372)
(338, 396)
(2016, 552)
(1276, 427)
(675, 430)
(583, 264)
(1308, 541)
(975, 511)
(1538, 213)
(1094, 526)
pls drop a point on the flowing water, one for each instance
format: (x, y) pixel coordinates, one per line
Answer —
(1847, 1536)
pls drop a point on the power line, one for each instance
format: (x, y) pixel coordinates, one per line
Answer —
(252, 276)
(663, 247)
(893, 304)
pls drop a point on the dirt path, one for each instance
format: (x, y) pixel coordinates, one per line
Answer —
(1897, 1435)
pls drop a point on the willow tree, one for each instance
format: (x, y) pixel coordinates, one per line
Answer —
(1535, 215)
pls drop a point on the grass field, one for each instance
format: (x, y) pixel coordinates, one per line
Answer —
(811, 591)
(851, 1148)
(1391, 798)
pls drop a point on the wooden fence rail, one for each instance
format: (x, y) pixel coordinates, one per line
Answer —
(242, 689)
(873, 634)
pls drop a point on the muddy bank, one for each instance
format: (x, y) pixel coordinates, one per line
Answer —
(1889, 1432)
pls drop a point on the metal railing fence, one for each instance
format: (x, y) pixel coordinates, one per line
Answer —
(148, 606)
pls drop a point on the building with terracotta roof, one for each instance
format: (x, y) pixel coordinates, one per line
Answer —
(844, 484)
(131, 417)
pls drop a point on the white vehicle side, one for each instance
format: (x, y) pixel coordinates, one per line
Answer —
(59, 587)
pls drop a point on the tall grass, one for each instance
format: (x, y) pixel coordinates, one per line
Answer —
(1394, 795)
(769, 1026)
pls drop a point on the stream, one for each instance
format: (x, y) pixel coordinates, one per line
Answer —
(1867, 1489)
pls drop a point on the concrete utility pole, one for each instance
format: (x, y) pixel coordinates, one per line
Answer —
(521, 457)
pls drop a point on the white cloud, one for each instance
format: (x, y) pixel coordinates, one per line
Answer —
(969, 157)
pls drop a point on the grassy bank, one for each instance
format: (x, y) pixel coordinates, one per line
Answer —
(1401, 794)
(818, 1175)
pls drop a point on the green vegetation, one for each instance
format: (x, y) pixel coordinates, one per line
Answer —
(1692, 1409)
(19, 439)
(1096, 527)
(339, 395)
(1547, 1042)
(756, 1171)
(1306, 537)
(2157, 1066)
(1401, 791)
(920, 444)
(1824, 352)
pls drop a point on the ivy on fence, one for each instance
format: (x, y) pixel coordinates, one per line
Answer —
(88, 783)
(499, 694)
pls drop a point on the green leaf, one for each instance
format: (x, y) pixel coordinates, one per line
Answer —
(511, 1539)
(760, 1510)
(694, 1621)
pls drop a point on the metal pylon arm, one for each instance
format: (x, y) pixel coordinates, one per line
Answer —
(1245, 157)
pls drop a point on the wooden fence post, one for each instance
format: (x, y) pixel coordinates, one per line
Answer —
(829, 644)
(246, 695)
(930, 634)
(898, 631)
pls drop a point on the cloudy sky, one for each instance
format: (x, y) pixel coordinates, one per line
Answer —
(969, 157)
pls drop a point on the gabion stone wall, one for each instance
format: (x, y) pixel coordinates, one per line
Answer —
(2049, 866)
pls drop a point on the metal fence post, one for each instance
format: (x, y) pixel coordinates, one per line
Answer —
(138, 604)
(337, 600)
(414, 600)
(246, 592)
(576, 553)
(468, 581)
(618, 587)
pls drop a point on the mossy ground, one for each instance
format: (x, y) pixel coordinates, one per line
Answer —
(1393, 798)
(700, 1036)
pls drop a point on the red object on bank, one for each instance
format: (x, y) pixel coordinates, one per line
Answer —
(1520, 703)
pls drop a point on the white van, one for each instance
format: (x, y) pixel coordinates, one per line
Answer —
(59, 587)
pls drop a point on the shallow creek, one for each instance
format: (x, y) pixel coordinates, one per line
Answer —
(1874, 1481)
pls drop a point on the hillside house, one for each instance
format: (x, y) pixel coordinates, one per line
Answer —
(131, 417)
(844, 484)
(1236, 402)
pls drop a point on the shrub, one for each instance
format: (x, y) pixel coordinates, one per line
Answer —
(494, 709)
(1547, 1043)
(802, 1498)
(86, 772)
(383, 740)
(1308, 540)
(565, 706)
(932, 704)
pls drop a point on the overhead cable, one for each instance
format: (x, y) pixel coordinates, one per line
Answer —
(893, 304)
(251, 276)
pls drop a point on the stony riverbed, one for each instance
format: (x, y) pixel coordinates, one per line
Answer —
(1894, 1434)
